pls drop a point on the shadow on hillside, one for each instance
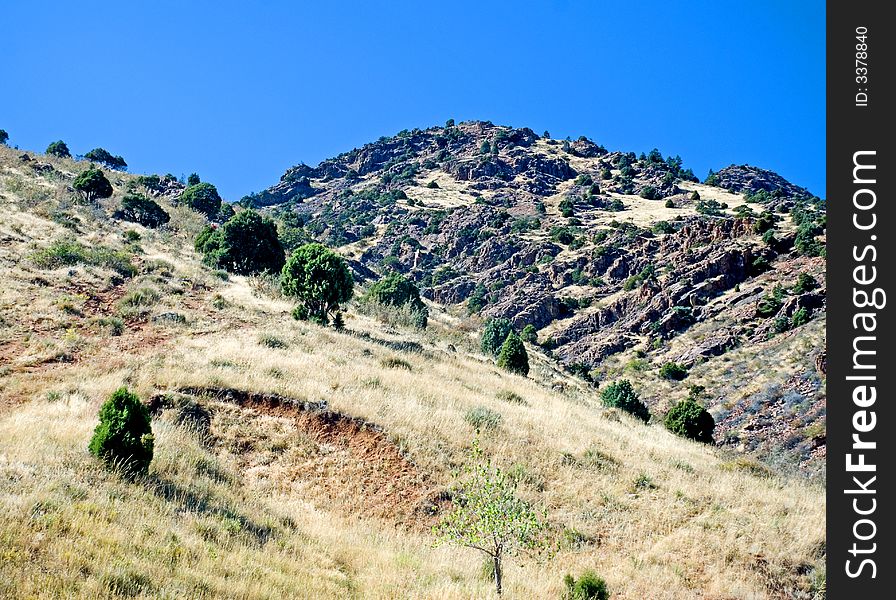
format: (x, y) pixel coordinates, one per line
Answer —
(203, 503)
(402, 346)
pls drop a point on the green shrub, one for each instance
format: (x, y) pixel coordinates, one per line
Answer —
(202, 197)
(193, 179)
(674, 371)
(123, 439)
(650, 193)
(247, 243)
(670, 203)
(494, 334)
(481, 417)
(512, 356)
(397, 290)
(68, 252)
(804, 283)
(689, 419)
(93, 184)
(768, 305)
(623, 396)
(60, 149)
(663, 227)
(529, 334)
(4, 137)
(319, 280)
(800, 317)
(104, 157)
(587, 587)
(433, 185)
(137, 208)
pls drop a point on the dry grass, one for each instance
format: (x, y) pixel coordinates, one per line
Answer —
(656, 516)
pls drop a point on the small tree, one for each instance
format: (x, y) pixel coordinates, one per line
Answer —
(397, 290)
(4, 137)
(202, 197)
(488, 516)
(319, 280)
(529, 334)
(247, 243)
(674, 371)
(58, 148)
(804, 283)
(689, 419)
(137, 208)
(512, 356)
(93, 184)
(123, 438)
(494, 334)
(104, 157)
(193, 179)
(623, 396)
(587, 587)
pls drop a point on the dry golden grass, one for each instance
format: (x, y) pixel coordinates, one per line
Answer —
(655, 515)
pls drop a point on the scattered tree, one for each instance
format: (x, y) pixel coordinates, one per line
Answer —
(93, 184)
(494, 335)
(319, 280)
(434, 185)
(247, 243)
(104, 157)
(689, 419)
(804, 283)
(4, 137)
(587, 587)
(123, 439)
(59, 149)
(488, 516)
(673, 371)
(397, 290)
(202, 197)
(512, 356)
(137, 208)
(529, 334)
(623, 396)
(449, 123)
(193, 179)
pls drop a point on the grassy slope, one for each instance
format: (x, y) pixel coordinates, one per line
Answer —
(250, 515)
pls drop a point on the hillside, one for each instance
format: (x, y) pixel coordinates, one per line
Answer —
(299, 461)
(623, 263)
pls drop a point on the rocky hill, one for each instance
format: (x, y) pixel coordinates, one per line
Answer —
(295, 460)
(620, 261)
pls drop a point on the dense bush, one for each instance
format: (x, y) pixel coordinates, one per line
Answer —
(123, 439)
(137, 208)
(512, 355)
(247, 243)
(800, 317)
(60, 149)
(650, 193)
(93, 184)
(587, 587)
(529, 334)
(193, 179)
(319, 280)
(4, 137)
(674, 371)
(804, 283)
(104, 157)
(689, 419)
(398, 291)
(623, 396)
(202, 197)
(494, 335)
(670, 203)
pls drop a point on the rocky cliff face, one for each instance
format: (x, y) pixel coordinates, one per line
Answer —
(610, 255)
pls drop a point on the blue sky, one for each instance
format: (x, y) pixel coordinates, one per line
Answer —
(239, 91)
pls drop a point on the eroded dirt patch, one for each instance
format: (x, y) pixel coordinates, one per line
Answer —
(303, 448)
